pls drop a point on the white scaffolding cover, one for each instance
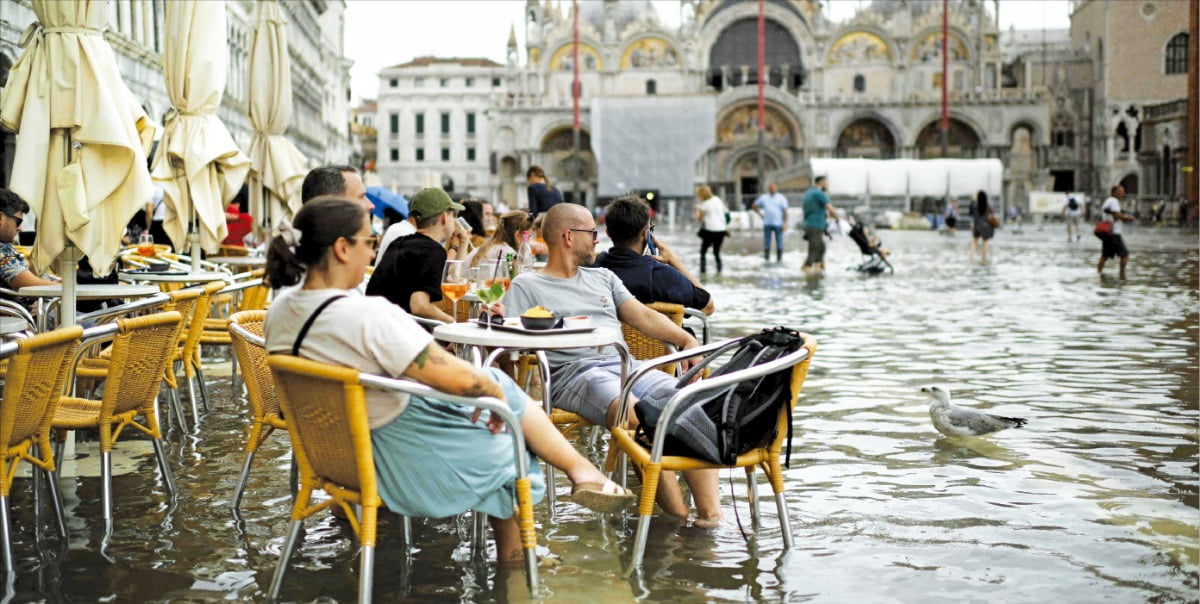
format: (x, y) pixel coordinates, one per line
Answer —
(651, 142)
(912, 177)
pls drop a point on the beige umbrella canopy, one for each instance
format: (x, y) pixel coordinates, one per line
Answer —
(198, 165)
(278, 167)
(65, 93)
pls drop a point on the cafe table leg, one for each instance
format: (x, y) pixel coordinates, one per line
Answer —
(544, 364)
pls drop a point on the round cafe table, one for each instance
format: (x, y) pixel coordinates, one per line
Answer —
(478, 337)
(83, 291)
(173, 277)
(239, 261)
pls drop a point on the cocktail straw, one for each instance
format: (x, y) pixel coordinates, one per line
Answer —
(496, 268)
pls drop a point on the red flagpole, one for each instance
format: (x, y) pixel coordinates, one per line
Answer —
(762, 56)
(945, 123)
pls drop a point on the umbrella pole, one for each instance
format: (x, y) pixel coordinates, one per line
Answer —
(193, 236)
(69, 259)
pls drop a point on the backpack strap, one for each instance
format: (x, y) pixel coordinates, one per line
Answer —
(309, 322)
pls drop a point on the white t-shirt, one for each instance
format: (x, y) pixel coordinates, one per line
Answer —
(160, 208)
(393, 233)
(1111, 205)
(714, 214)
(368, 333)
(1078, 211)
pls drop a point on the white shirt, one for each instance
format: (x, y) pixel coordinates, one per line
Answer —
(368, 333)
(160, 208)
(1111, 205)
(1078, 211)
(393, 233)
(714, 214)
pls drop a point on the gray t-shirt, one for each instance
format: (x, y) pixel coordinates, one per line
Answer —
(593, 292)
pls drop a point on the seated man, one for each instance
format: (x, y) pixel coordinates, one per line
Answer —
(335, 181)
(658, 278)
(14, 270)
(588, 383)
(410, 271)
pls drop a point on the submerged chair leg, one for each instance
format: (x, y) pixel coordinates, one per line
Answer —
(289, 544)
(785, 522)
(366, 573)
(106, 486)
(60, 515)
(5, 541)
(203, 389)
(177, 410)
(752, 492)
(164, 465)
(245, 477)
(650, 475)
(191, 386)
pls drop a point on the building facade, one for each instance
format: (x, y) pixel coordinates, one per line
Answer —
(432, 124)
(320, 72)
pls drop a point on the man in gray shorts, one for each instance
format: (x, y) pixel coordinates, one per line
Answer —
(587, 382)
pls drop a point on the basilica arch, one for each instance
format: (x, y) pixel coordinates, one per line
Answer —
(555, 149)
(964, 140)
(868, 136)
(733, 57)
(733, 160)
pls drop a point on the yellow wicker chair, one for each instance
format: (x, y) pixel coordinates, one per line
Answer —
(651, 462)
(234, 250)
(447, 306)
(643, 347)
(141, 352)
(36, 373)
(331, 441)
(246, 332)
(187, 354)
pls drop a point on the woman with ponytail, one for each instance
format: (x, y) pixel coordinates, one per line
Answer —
(432, 458)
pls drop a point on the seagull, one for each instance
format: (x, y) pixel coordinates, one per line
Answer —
(961, 422)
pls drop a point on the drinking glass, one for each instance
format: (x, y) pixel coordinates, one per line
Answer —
(492, 274)
(454, 283)
(145, 245)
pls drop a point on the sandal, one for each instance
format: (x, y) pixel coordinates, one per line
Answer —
(605, 498)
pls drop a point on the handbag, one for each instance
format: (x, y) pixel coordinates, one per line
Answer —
(993, 220)
(1103, 229)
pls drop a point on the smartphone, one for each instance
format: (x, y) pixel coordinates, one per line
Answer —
(650, 245)
(464, 224)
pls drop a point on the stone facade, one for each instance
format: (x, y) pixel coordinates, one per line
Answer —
(320, 72)
(868, 87)
(432, 123)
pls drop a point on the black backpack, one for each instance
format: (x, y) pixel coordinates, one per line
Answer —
(1072, 204)
(728, 422)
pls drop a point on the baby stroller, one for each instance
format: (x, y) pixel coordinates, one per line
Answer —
(876, 258)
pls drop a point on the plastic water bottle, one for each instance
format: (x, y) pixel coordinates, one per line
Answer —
(525, 255)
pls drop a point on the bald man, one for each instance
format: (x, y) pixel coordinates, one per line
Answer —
(588, 383)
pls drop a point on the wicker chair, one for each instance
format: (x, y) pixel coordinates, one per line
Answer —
(246, 332)
(141, 352)
(187, 354)
(326, 410)
(447, 306)
(651, 462)
(251, 294)
(644, 347)
(37, 369)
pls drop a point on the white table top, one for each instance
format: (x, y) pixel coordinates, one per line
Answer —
(171, 277)
(9, 325)
(90, 291)
(239, 260)
(477, 335)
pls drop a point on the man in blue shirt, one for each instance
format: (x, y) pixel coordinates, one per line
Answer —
(772, 207)
(816, 208)
(658, 278)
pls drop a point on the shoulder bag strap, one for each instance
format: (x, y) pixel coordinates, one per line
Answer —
(309, 322)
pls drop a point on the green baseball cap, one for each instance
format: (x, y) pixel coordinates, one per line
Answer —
(431, 201)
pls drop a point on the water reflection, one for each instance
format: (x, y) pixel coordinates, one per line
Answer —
(1095, 499)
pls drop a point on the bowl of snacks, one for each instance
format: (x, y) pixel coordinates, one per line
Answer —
(538, 317)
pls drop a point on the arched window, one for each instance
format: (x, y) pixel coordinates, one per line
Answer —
(1063, 131)
(1123, 138)
(860, 83)
(651, 87)
(1176, 57)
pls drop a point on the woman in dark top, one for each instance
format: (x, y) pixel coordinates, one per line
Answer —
(473, 213)
(542, 196)
(983, 230)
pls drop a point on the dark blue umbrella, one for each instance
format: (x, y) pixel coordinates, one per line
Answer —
(382, 198)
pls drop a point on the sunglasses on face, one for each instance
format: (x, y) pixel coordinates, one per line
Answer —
(16, 219)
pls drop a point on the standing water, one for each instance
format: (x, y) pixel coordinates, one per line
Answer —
(1096, 499)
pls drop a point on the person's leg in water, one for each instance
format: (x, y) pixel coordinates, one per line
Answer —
(702, 483)
(718, 239)
(705, 241)
(766, 242)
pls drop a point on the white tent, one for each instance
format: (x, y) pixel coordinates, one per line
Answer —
(856, 177)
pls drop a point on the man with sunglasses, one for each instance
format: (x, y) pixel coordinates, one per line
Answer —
(659, 277)
(14, 270)
(410, 270)
(589, 383)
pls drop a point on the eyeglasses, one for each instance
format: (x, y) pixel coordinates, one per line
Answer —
(16, 219)
(595, 233)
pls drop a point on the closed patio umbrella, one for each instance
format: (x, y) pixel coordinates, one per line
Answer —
(278, 168)
(82, 139)
(198, 165)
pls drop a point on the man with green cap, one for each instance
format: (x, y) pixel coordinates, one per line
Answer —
(410, 271)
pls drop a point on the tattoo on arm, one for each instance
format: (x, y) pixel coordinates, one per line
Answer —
(421, 359)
